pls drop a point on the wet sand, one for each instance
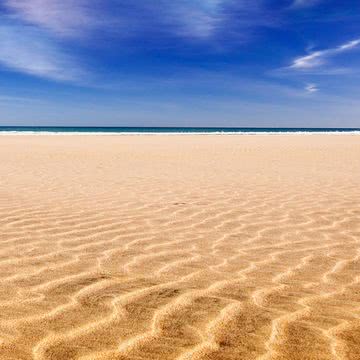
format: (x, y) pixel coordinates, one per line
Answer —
(180, 247)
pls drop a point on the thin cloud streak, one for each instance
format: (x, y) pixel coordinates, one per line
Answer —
(34, 29)
(311, 88)
(69, 18)
(17, 99)
(63, 17)
(26, 50)
(318, 58)
(198, 19)
(304, 3)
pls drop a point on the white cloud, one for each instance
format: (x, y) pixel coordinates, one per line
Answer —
(311, 88)
(75, 18)
(350, 45)
(196, 18)
(204, 18)
(26, 50)
(314, 59)
(63, 17)
(318, 58)
(185, 18)
(35, 33)
(31, 28)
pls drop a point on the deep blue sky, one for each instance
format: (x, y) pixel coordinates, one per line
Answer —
(180, 62)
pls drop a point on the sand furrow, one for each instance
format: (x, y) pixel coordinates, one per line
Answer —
(179, 248)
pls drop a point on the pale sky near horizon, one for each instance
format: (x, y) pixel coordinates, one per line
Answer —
(270, 63)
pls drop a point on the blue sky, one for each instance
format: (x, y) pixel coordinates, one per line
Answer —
(180, 62)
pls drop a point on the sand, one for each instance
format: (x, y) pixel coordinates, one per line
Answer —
(180, 247)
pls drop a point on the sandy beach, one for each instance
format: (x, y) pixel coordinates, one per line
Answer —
(180, 247)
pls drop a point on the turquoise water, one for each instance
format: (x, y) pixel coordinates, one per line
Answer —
(168, 130)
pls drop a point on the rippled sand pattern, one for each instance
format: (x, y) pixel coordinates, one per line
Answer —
(180, 247)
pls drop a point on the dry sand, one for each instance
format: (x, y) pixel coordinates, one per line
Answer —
(180, 247)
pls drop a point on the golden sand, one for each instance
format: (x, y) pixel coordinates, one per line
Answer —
(180, 247)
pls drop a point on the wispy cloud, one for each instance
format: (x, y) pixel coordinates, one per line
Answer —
(30, 32)
(205, 18)
(16, 99)
(198, 18)
(318, 58)
(304, 3)
(69, 18)
(34, 29)
(27, 50)
(311, 88)
(63, 17)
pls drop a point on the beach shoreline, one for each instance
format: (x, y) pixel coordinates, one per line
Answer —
(136, 131)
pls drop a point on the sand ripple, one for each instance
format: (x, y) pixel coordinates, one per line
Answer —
(190, 247)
